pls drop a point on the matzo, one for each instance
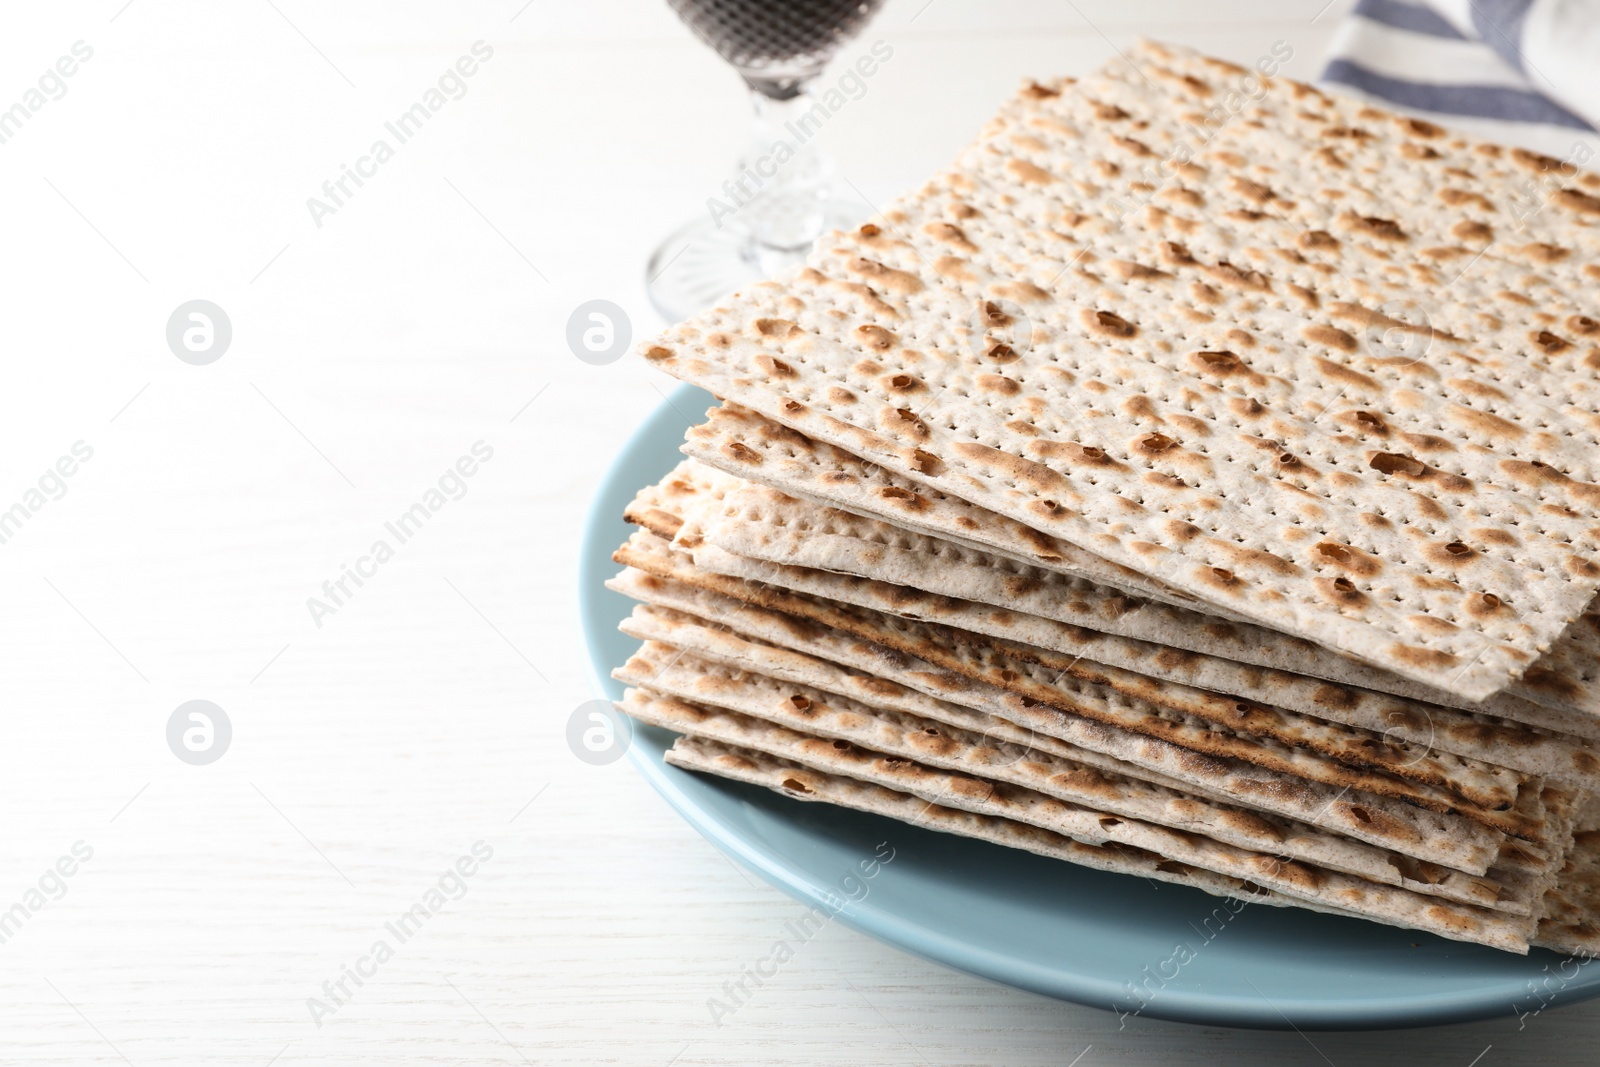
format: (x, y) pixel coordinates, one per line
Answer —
(1535, 220)
(1323, 182)
(797, 546)
(742, 443)
(680, 671)
(1257, 773)
(1571, 916)
(1566, 680)
(1086, 655)
(1445, 841)
(1120, 663)
(1224, 439)
(804, 783)
(1063, 682)
(722, 643)
(1292, 879)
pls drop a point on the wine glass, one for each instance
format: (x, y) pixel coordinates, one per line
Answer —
(781, 197)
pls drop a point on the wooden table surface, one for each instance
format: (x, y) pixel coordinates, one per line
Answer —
(211, 911)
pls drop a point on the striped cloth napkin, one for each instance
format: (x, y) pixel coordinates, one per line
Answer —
(1522, 72)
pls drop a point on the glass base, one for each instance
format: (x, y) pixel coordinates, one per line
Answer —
(700, 264)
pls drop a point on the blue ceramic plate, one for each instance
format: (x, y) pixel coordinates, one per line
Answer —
(1109, 941)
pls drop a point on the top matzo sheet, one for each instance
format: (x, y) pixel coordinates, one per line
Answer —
(1313, 362)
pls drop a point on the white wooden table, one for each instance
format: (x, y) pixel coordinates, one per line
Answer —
(426, 712)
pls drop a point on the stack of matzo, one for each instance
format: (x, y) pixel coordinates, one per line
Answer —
(1071, 505)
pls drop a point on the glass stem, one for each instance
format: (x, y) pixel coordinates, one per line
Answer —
(783, 183)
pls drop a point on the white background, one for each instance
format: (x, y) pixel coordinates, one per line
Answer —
(368, 354)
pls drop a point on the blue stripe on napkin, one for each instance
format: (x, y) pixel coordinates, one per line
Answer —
(1482, 101)
(1418, 18)
(1499, 23)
